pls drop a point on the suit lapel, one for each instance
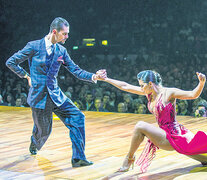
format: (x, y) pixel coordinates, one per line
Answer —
(42, 48)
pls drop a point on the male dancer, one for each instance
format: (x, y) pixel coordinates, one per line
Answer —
(45, 56)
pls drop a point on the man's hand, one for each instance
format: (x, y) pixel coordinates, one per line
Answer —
(100, 75)
(29, 80)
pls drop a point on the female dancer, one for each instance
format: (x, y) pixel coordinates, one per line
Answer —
(170, 135)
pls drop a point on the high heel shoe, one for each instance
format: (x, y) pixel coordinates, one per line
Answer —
(130, 162)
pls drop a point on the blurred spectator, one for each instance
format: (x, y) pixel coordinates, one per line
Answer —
(113, 101)
(88, 104)
(18, 102)
(106, 105)
(136, 103)
(201, 110)
(183, 108)
(122, 107)
(77, 89)
(1, 101)
(18, 90)
(7, 90)
(83, 92)
(68, 94)
(23, 97)
(79, 104)
(70, 89)
(141, 109)
(195, 104)
(98, 92)
(128, 102)
(98, 106)
(9, 100)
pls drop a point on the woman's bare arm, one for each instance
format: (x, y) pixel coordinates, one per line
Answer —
(175, 93)
(125, 86)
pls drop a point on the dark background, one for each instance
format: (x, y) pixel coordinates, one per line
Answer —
(127, 25)
(167, 36)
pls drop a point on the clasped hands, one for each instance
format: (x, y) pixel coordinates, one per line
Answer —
(101, 75)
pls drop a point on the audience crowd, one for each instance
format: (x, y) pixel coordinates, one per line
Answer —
(103, 97)
(171, 41)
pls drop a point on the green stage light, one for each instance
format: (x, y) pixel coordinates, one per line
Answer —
(75, 47)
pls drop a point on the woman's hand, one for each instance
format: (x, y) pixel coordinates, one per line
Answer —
(201, 77)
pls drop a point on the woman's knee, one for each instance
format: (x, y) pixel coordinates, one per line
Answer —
(140, 126)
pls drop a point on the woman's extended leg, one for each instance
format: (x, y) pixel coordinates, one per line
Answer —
(155, 134)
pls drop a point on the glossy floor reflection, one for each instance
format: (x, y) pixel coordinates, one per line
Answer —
(108, 138)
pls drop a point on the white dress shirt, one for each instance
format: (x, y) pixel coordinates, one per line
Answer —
(48, 45)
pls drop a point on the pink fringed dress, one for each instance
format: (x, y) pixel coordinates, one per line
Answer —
(181, 139)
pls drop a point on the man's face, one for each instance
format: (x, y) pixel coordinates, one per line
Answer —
(9, 98)
(18, 102)
(127, 99)
(106, 99)
(182, 105)
(121, 108)
(98, 103)
(89, 98)
(141, 110)
(62, 35)
(200, 112)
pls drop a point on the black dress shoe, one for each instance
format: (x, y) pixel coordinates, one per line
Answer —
(32, 148)
(80, 162)
(204, 163)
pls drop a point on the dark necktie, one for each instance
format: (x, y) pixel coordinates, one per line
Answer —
(50, 57)
(52, 48)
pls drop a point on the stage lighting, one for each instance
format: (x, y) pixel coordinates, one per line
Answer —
(104, 42)
(89, 42)
(75, 47)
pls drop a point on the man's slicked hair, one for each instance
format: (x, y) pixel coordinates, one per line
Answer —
(58, 24)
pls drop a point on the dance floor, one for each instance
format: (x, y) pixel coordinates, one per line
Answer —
(108, 138)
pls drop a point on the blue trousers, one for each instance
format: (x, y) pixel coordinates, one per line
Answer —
(70, 115)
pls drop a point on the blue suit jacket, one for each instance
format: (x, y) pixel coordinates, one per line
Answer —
(44, 80)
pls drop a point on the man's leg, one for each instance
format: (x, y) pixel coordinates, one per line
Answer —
(42, 124)
(74, 120)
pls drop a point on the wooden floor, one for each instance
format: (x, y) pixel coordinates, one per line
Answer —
(108, 138)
